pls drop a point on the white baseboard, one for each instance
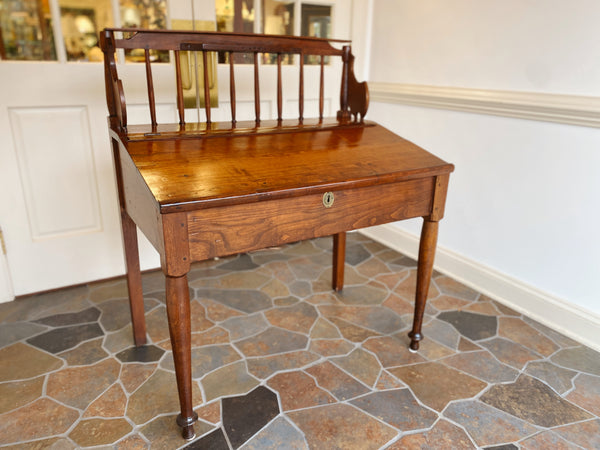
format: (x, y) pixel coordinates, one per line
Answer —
(554, 312)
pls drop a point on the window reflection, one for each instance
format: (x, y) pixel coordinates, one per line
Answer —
(80, 22)
(316, 22)
(26, 30)
(278, 18)
(148, 14)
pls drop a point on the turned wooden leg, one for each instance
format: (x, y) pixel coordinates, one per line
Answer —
(178, 313)
(134, 279)
(427, 246)
(339, 259)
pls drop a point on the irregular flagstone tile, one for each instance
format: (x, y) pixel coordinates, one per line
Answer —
(584, 434)
(218, 312)
(301, 288)
(286, 301)
(399, 305)
(390, 280)
(510, 353)
(18, 393)
(471, 325)
(110, 404)
(157, 325)
(531, 400)
(275, 289)
(61, 320)
(22, 424)
(216, 335)
(340, 384)
(116, 313)
(205, 359)
(435, 384)
(144, 353)
(278, 434)
(402, 260)
(452, 287)
(397, 408)
(265, 367)
(243, 280)
(120, 340)
(375, 247)
(581, 358)
(502, 447)
(502, 308)
(355, 254)
(352, 332)
(546, 440)
(447, 302)
(341, 426)
(78, 386)
(487, 425)
(483, 365)
(89, 352)
(302, 248)
(305, 269)
(360, 364)
(158, 395)
(465, 345)
(330, 347)
(164, 433)
(431, 350)
(377, 319)
(199, 321)
(556, 377)
(557, 337)
(392, 351)
(99, 431)
(21, 361)
(518, 331)
(387, 381)
(483, 308)
(45, 444)
(372, 267)
(13, 332)
(210, 413)
(215, 440)
(325, 298)
(248, 301)
(362, 295)
(351, 277)
(240, 263)
(57, 302)
(442, 435)
(586, 393)
(271, 341)
(229, 380)
(244, 326)
(299, 317)
(134, 442)
(297, 390)
(100, 292)
(442, 332)
(281, 271)
(133, 375)
(407, 288)
(322, 329)
(60, 339)
(243, 416)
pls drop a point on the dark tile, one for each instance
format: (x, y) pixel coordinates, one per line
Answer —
(243, 416)
(355, 254)
(61, 339)
(212, 441)
(472, 325)
(248, 301)
(242, 262)
(397, 408)
(533, 401)
(61, 320)
(503, 447)
(145, 353)
(581, 358)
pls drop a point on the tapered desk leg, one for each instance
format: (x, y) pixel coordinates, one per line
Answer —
(134, 279)
(178, 313)
(427, 246)
(339, 259)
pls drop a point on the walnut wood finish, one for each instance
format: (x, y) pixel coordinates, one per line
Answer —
(200, 190)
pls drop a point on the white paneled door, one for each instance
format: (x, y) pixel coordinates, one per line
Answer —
(59, 216)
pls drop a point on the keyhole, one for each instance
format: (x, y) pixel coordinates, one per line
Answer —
(328, 199)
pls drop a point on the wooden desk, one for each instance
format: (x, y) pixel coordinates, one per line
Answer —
(199, 192)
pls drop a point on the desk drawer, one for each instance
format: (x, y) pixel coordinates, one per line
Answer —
(240, 228)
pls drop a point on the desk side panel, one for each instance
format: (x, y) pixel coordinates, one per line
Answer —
(240, 228)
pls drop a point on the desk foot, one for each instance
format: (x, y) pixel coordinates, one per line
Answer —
(414, 341)
(187, 426)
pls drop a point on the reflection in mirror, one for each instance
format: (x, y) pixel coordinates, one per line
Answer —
(26, 30)
(81, 21)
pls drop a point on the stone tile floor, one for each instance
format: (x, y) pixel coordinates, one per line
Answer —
(279, 361)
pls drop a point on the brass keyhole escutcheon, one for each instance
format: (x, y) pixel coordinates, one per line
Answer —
(328, 199)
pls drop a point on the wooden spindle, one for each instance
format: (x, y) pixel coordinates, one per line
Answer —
(343, 113)
(232, 87)
(279, 89)
(301, 89)
(150, 88)
(322, 89)
(206, 86)
(180, 104)
(256, 89)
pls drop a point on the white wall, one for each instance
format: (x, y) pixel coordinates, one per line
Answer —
(524, 200)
